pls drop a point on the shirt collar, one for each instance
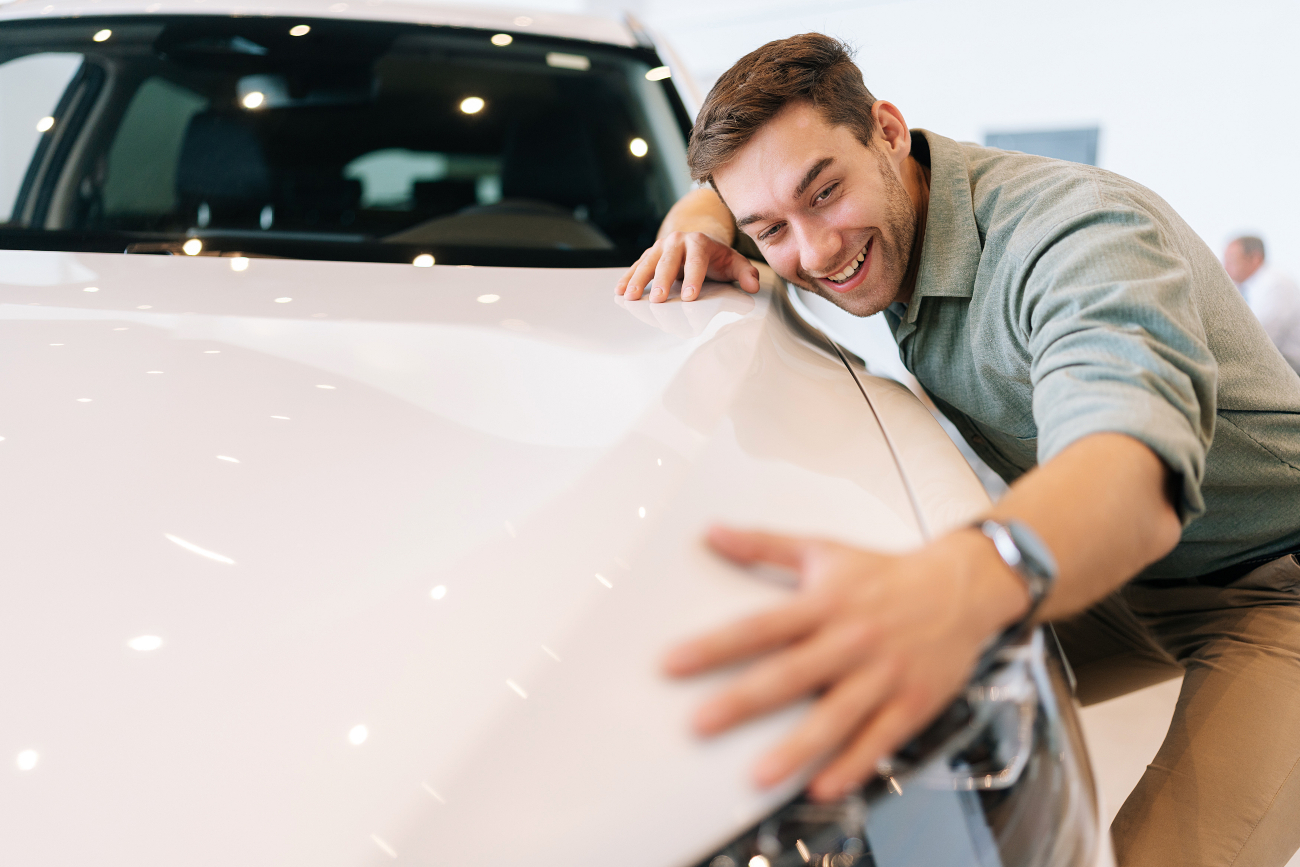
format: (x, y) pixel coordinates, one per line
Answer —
(950, 254)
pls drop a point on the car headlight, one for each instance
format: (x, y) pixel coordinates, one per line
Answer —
(999, 778)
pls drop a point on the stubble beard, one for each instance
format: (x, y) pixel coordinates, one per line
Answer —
(892, 250)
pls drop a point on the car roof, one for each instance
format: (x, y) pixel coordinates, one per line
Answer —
(589, 28)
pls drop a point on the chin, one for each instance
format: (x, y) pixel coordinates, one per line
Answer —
(864, 301)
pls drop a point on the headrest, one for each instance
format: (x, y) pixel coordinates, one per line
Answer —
(550, 158)
(221, 158)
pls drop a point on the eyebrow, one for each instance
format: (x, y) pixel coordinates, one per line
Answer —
(808, 178)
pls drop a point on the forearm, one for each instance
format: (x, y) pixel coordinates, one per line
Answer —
(1101, 508)
(700, 210)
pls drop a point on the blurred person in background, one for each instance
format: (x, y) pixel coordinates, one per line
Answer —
(1273, 297)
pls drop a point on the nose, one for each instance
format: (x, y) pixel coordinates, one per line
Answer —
(820, 248)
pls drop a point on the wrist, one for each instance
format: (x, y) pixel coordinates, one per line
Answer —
(998, 596)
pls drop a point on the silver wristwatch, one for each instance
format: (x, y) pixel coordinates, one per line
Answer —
(1022, 550)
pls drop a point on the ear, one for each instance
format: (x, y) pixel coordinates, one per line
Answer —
(891, 131)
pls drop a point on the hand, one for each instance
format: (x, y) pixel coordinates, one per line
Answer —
(887, 642)
(693, 256)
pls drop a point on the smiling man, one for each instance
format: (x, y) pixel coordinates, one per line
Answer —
(1092, 350)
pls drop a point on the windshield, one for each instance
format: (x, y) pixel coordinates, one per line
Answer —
(316, 138)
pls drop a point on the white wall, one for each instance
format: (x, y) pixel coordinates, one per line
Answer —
(1197, 99)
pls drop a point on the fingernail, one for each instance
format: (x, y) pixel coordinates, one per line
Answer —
(710, 718)
(681, 659)
(769, 770)
(688, 292)
(657, 292)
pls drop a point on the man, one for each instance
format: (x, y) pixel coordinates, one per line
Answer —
(1273, 297)
(1093, 351)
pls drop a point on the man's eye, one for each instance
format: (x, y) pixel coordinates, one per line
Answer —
(825, 194)
(768, 233)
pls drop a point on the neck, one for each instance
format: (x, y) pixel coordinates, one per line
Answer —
(916, 180)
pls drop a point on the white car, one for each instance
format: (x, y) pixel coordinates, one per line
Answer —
(347, 512)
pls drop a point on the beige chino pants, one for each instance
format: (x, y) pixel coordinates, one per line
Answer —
(1224, 789)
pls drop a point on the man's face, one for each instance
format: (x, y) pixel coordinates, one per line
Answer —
(828, 213)
(1239, 264)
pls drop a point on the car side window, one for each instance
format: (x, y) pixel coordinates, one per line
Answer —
(139, 184)
(30, 90)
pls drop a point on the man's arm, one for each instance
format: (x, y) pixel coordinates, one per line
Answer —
(694, 243)
(889, 641)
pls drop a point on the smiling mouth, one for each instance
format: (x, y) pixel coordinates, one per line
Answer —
(851, 269)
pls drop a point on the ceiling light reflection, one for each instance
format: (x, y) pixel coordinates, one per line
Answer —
(438, 592)
(603, 580)
(283, 300)
(517, 688)
(45, 124)
(472, 104)
(192, 247)
(488, 299)
(145, 643)
(523, 21)
(299, 30)
(357, 736)
(560, 60)
(424, 260)
(91, 289)
(102, 36)
(638, 147)
(253, 99)
(239, 263)
(659, 73)
(501, 40)
(195, 549)
(27, 760)
(228, 459)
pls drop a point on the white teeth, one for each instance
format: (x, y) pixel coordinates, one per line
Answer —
(851, 270)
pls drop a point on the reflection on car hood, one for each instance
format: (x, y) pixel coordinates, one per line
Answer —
(413, 541)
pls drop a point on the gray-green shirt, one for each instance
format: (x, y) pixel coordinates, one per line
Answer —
(1056, 300)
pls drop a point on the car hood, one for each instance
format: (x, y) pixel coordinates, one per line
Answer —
(408, 544)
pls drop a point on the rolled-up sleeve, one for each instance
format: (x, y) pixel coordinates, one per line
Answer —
(1117, 344)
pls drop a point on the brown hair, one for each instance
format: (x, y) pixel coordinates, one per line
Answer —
(810, 67)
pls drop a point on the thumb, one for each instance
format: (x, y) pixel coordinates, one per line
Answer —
(744, 273)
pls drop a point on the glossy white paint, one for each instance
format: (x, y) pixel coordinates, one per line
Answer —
(585, 27)
(419, 614)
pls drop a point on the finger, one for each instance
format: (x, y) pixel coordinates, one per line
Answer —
(882, 735)
(745, 274)
(749, 546)
(621, 286)
(744, 638)
(788, 675)
(644, 269)
(667, 271)
(696, 267)
(830, 722)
